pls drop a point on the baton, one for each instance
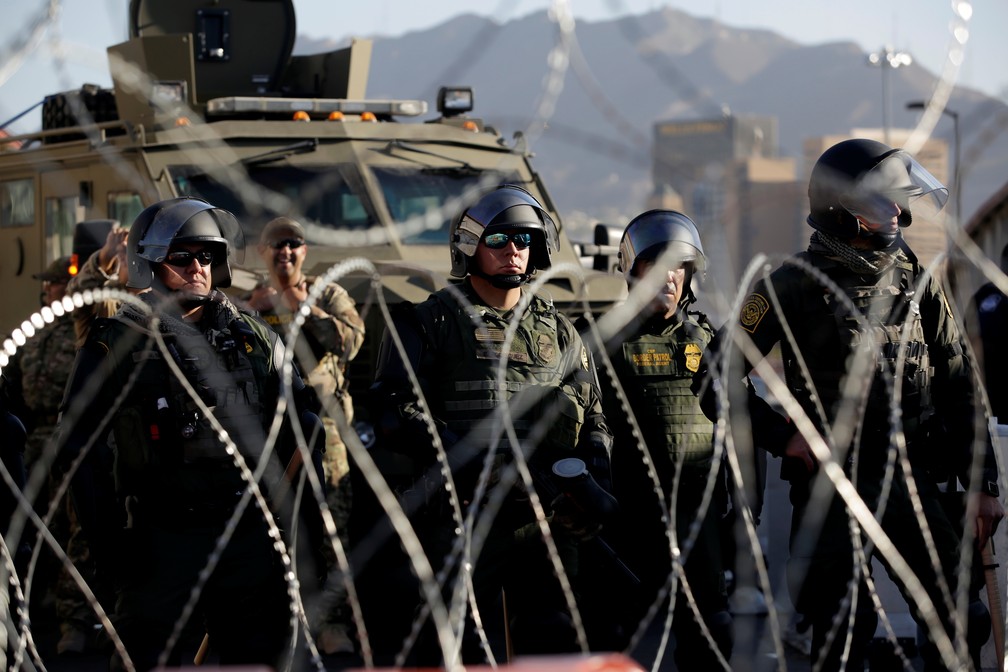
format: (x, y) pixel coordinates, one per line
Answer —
(994, 600)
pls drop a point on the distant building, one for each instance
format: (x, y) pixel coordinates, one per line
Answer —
(742, 195)
(747, 200)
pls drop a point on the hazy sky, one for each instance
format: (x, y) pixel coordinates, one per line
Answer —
(922, 27)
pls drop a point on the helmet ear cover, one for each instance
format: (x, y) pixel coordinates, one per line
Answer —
(468, 235)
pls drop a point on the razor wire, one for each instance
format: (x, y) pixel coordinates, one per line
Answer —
(211, 154)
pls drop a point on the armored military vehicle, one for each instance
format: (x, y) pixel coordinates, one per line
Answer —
(208, 101)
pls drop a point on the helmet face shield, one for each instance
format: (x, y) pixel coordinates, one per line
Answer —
(183, 220)
(898, 179)
(661, 234)
(170, 221)
(866, 179)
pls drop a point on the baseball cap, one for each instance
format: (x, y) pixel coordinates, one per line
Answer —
(282, 227)
(57, 271)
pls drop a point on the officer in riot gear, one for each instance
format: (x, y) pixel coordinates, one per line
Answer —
(161, 379)
(510, 208)
(546, 406)
(872, 354)
(654, 355)
(184, 220)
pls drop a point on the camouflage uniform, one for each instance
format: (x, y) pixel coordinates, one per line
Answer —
(40, 371)
(326, 345)
(91, 276)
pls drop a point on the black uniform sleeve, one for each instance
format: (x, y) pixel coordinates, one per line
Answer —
(960, 420)
(771, 430)
(394, 402)
(596, 439)
(87, 407)
(11, 453)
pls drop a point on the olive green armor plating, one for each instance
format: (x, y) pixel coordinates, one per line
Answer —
(539, 358)
(661, 368)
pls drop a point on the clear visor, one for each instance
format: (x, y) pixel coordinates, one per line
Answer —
(675, 255)
(169, 221)
(898, 180)
(665, 239)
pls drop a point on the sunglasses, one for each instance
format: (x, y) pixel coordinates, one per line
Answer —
(292, 243)
(497, 241)
(183, 258)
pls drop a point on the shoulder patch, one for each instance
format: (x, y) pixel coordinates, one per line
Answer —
(753, 310)
(990, 304)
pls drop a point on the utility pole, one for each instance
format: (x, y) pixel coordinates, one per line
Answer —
(888, 59)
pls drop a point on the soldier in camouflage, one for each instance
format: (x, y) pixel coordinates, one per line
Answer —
(38, 374)
(331, 336)
(106, 268)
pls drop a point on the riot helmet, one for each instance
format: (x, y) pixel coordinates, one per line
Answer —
(863, 178)
(665, 234)
(508, 207)
(182, 220)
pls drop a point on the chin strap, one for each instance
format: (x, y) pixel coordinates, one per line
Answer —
(878, 241)
(504, 281)
(881, 241)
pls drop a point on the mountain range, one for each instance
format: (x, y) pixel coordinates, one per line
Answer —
(590, 118)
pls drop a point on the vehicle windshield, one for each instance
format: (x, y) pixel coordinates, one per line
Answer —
(411, 193)
(335, 197)
(327, 195)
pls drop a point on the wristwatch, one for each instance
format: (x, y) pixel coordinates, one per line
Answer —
(990, 488)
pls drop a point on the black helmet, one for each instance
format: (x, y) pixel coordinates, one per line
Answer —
(852, 178)
(506, 207)
(181, 220)
(652, 233)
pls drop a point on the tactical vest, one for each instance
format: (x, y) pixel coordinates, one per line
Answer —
(656, 371)
(883, 306)
(162, 437)
(467, 394)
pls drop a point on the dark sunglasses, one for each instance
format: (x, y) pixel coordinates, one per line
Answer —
(183, 258)
(292, 243)
(496, 241)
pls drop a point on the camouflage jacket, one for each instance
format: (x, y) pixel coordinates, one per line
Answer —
(327, 342)
(91, 276)
(40, 370)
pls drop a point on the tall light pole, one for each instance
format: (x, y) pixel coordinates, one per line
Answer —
(888, 59)
(922, 105)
